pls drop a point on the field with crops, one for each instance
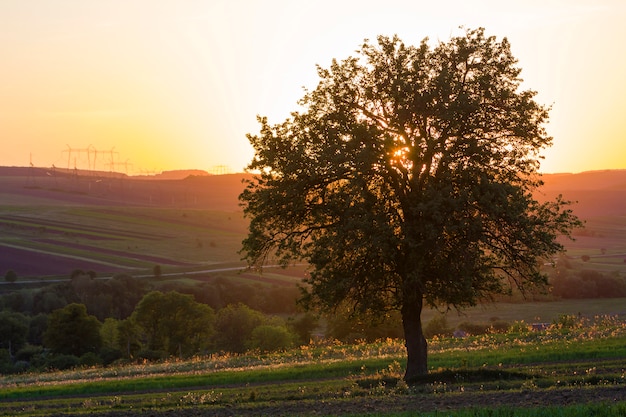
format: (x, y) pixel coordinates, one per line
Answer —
(575, 364)
(54, 222)
(110, 225)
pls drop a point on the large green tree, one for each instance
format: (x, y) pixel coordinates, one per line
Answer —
(71, 331)
(405, 179)
(234, 325)
(174, 322)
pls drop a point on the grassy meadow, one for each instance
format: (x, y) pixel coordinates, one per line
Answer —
(576, 365)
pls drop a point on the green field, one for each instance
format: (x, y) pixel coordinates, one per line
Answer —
(580, 365)
(532, 312)
(132, 238)
(186, 239)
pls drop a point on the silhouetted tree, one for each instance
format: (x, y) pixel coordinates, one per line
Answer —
(406, 179)
(10, 276)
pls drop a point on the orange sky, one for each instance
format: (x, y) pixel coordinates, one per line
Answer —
(159, 85)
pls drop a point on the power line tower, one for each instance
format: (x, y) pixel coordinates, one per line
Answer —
(111, 164)
(93, 149)
(220, 170)
(126, 164)
(88, 151)
(30, 181)
(69, 155)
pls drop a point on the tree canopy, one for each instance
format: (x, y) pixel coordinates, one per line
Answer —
(174, 323)
(71, 331)
(407, 177)
(234, 325)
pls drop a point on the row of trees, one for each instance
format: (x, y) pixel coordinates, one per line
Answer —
(170, 323)
(117, 297)
(579, 284)
(87, 320)
(160, 326)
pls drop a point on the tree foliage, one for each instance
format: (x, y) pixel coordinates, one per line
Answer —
(234, 325)
(406, 178)
(10, 276)
(14, 330)
(271, 338)
(174, 323)
(71, 331)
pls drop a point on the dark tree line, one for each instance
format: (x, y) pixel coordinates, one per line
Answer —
(568, 283)
(87, 321)
(117, 297)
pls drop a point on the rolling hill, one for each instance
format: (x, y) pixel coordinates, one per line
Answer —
(52, 221)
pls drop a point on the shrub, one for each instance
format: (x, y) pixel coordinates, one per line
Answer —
(10, 276)
(27, 352)
(39, 361)
(271, 338)
(20, 367)
(151, 355)
(500, 326)
(566, 321)
(350, 326)
(438, 326)
(63, 362)
(174, 323)
(90, 359)
(110, 355)
(303, 327)
(475, 328)
(519, 327)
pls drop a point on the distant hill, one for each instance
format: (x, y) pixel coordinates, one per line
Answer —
(23, 186)
(174, 175)
(589, 180)
(178, 174)
(596, 193)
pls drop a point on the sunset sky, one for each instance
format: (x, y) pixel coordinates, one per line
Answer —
(158, 85)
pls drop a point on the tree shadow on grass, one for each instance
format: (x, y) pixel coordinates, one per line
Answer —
(449, 376)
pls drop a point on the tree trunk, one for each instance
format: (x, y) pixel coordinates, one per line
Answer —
(415, 342)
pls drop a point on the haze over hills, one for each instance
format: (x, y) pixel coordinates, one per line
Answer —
(22, 186)
(42, 212)
(589, 180)
(594, 193)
